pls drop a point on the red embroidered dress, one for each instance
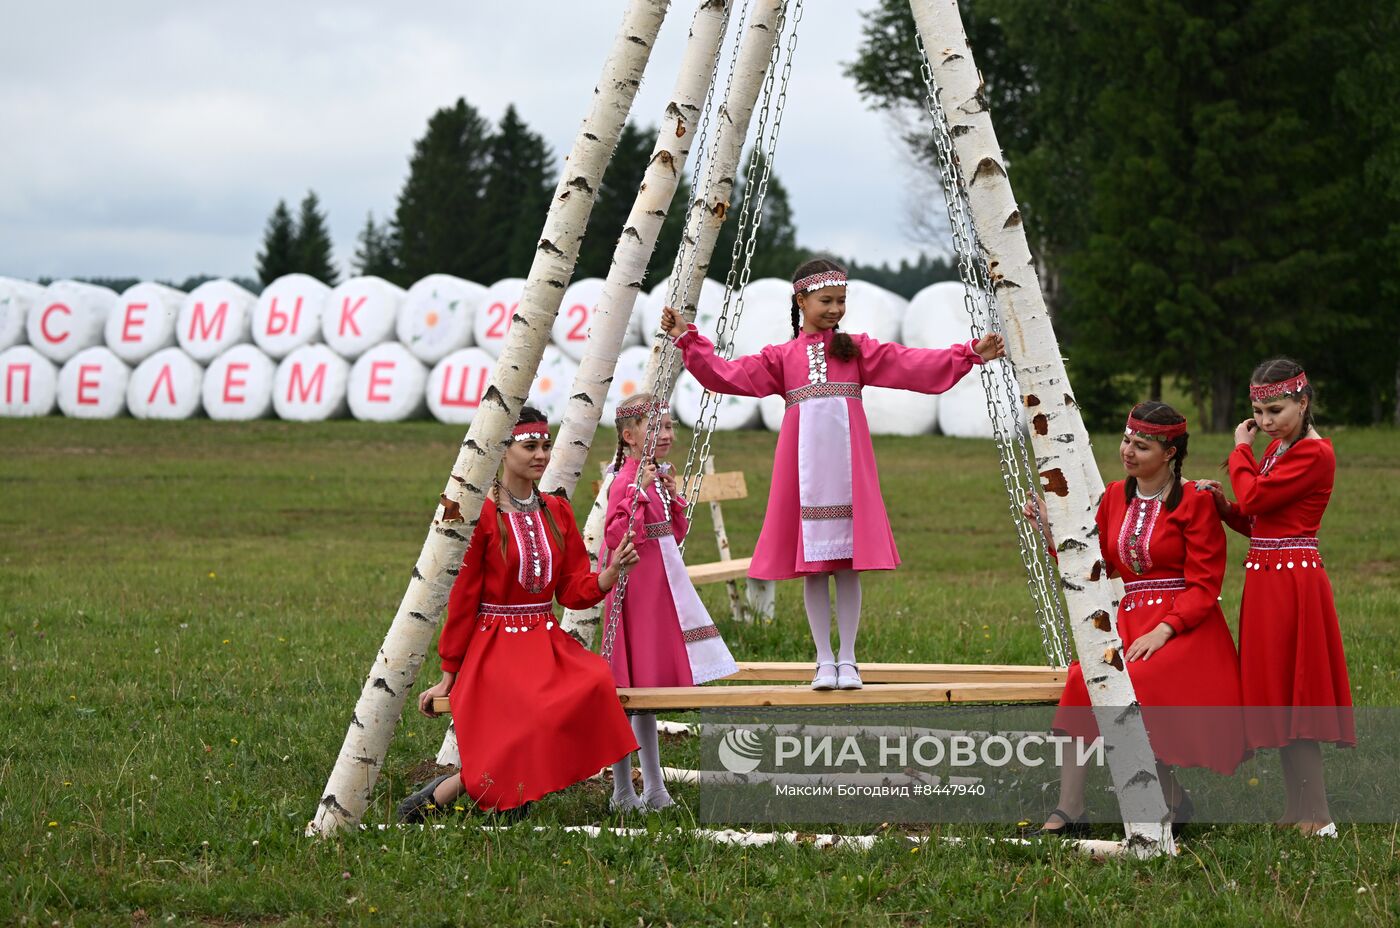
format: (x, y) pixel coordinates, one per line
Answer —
(1172, 564)
(1290, 642)
(535, 711)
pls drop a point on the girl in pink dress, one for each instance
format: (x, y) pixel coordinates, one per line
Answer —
(660, 633)
(825, 515)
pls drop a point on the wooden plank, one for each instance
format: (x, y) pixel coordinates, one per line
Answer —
(717, 488)
(744, 696)
(798, 672)
(719, 571)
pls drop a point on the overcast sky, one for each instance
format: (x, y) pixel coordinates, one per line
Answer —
(153, 138)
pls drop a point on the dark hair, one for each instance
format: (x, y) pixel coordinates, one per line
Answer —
(1161, 414)
(1276, 369)
(842, 346)
(646, 398)
(528, 415)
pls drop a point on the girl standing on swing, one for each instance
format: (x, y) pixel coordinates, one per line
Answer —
(659, 634)
(826, 518)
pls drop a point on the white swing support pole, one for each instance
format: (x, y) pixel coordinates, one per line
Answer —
(409, 639)
(1069, 477)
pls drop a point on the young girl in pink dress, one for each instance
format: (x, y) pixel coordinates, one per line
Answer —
(660, 633)
(825, 515)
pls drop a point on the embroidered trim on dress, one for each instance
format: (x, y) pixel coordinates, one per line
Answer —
(699, 634)
(813, 391)
(1282, 552)
(1135, 536)
(515, 619)
(536, 559)
(828, 512)
(658, 529)
(1139, 593)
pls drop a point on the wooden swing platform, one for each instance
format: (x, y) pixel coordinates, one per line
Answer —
(885, 684)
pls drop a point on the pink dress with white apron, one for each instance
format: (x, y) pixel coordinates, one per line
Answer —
(664, 635)
(825, 511)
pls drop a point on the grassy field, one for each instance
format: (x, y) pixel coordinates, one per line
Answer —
(188, 610)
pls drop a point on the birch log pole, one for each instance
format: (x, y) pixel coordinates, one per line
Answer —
(1069, 477)
(410, 637)
(710, 207)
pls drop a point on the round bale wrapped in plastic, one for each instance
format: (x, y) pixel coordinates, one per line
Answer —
(437, 316)
(310, 385)
(575, 317)
(386, 384)
(457, 383)
(767, 316)
(69, 317)
(731, 412)
(213, 318)
(238, 385)
(936, 318)
(493, 317)
(17, 300)
(144, 321)
(92, 385)
(167, 385)
(359, 314)
(706, 314)
(288, 314)
(550, 391)
(28, 383)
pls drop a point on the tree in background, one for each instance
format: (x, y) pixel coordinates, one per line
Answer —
(614, 202)
(376, 253)
(520, 180)
(440, 224)
(278, 255)
(313, 243)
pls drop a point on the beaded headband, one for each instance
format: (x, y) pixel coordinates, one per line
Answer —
(1268, 391)
(1154, 430)
(817, 281)
(639, 410)
(525, 431)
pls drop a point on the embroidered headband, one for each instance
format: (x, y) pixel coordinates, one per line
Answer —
(1268, 391)
(817, 281)
(1154, 430)
(525, 431)
(639, 410)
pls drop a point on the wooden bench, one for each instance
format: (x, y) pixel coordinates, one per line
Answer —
(886, 684)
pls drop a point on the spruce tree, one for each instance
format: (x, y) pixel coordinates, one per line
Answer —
(440, 225)
(278, 255)
(519, 184)
(613, 204)
(375, 254)
(313, 243)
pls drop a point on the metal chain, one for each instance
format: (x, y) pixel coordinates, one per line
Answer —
(1002, 392)
(742, 252)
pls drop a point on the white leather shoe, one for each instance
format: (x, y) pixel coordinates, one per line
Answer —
(848, 681)
(825, 679)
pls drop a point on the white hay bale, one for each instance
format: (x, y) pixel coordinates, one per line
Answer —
(17, 300)
(937, 318)
(213, 318)
(238, 384)
(167, 385)
(359, 314)
(386, 384)
(767, 316)
(731, 412)
(437, 316)
(143, 321)
(873, 311)
(310, 385)
(457, 383)
(288, 314)
(710, 305)
(68, 318)
(493, 318)
(92, 385)
(575, 317)
(899, 412)
(772, 409)
(28, 383)
(550, 391)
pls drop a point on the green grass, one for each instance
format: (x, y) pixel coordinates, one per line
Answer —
(187, 611)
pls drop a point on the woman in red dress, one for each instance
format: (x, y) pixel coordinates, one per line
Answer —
(1291, 656)
(1163, 537)
(534, 710)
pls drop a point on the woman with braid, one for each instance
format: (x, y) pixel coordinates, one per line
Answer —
(659, 634)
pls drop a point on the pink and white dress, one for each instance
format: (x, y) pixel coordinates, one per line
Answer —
(664, 636)
(825, 512)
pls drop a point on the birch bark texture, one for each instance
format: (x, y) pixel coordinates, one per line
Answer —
(635, 247)
(410, 637)
(710, 206)
(1069, 478)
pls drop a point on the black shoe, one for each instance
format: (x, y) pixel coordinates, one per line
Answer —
(1072, 827)
(420, 805)
(513, 816)
(1182, 813)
